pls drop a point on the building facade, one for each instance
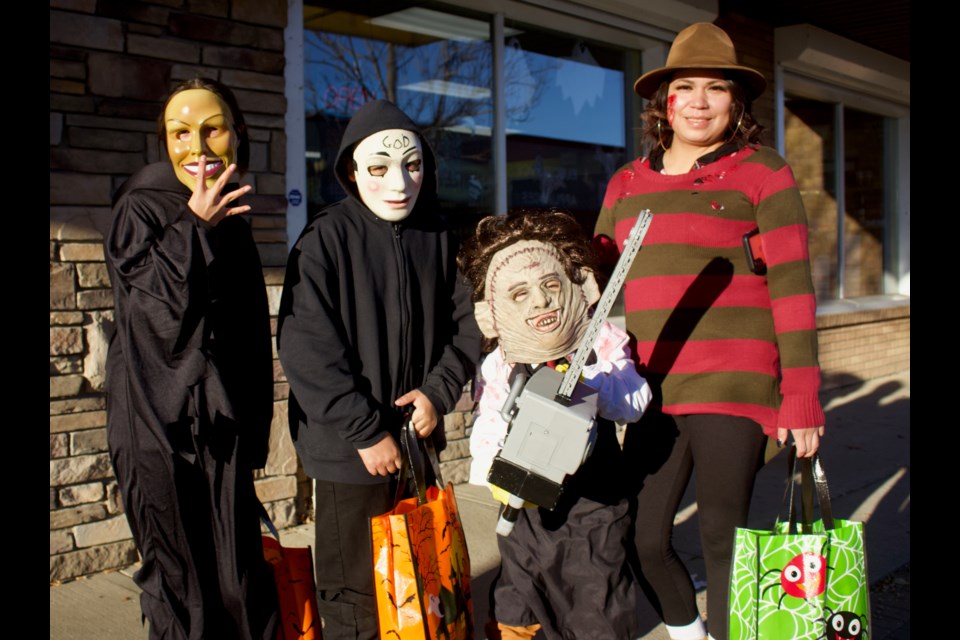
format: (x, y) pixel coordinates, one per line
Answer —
(527, 103)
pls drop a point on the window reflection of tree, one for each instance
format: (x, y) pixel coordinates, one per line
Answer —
(360, 69)
(451, 102)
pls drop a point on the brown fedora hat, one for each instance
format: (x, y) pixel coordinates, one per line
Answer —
(701, 46)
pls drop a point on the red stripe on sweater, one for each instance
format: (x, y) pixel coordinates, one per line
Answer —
(772, 182)
(667, 292)
(708, 356)
(795, 313)
(786, 244)
(800, 380)
(709, 230)
(622, 230)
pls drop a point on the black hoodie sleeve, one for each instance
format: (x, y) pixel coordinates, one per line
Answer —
(323, 369)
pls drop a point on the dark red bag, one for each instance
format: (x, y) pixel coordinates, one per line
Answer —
(296, 588)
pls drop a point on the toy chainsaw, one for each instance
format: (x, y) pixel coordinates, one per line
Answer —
(551, 418)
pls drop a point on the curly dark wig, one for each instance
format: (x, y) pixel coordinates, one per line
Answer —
(552, 227)
(749, 131)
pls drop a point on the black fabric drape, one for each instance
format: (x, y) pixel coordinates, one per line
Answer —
(189, 404)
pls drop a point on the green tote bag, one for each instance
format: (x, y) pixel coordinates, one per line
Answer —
(809, 584)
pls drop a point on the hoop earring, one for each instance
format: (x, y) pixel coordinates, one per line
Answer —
(737, 129)
(660, 136)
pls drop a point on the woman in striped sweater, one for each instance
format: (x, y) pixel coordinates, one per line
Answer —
(731, 354)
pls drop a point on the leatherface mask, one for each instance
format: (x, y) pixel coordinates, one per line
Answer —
(532, 307)
(388, 170)
(199, 123)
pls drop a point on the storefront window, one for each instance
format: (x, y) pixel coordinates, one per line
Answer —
(863, 224)
(847, 261)
(563, 100)
(565, 121)
(809, 143)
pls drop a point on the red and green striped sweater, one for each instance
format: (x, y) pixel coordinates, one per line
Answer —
(712, 336)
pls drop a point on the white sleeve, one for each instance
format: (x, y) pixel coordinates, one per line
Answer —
(623, 393)
(489, 429)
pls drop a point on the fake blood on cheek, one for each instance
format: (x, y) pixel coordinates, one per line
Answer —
(671, 108)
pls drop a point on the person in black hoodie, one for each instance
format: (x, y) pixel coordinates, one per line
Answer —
(374, 322)
(190, 376)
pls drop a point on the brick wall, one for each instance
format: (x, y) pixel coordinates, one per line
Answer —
(863, 344)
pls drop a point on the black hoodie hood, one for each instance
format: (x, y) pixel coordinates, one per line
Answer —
(379, 115)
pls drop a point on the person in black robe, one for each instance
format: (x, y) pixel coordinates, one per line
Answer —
(190, 376)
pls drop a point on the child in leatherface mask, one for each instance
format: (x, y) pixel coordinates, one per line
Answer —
(563, 571)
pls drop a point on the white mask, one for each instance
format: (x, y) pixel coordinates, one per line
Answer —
(389, 172)
(531, 305)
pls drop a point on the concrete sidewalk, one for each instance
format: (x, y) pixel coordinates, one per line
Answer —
(866, 456)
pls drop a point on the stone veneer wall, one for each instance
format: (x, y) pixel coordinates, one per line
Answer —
(112, 62)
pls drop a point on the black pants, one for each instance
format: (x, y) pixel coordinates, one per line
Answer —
(565, 569)
(662, 451)
(344, 557)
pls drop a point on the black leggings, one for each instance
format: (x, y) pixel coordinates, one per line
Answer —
(661, 452)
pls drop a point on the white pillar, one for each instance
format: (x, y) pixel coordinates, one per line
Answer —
(294, 123)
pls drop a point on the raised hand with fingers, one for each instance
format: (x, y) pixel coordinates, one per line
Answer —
(208, 204)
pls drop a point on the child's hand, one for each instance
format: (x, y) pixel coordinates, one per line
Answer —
(424, 416)
(383, 458)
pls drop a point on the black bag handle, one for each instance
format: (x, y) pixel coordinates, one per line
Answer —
(415, 454)
(823, 491)
(798, 465)
(812, 479)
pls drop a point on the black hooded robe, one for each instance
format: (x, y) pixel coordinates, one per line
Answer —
(189, 404)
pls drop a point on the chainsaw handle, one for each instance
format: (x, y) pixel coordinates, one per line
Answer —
(507, 412)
